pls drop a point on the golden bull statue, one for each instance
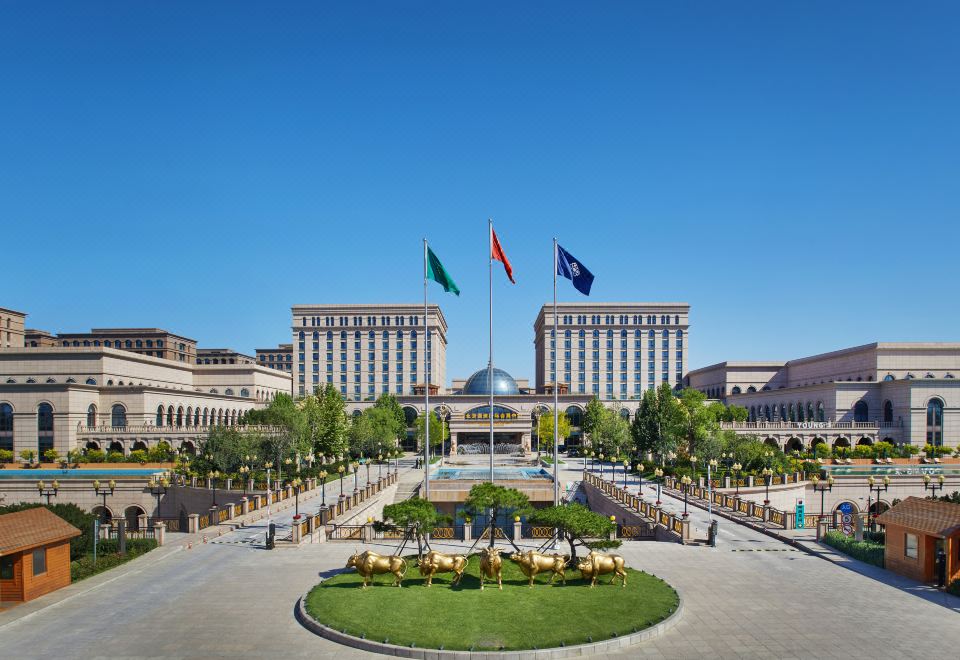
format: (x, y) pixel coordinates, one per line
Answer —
(437, 562)
(531, 563)
(490, 565)
(596, 564)
(369, 563)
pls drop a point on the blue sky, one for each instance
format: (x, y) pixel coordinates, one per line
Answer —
(789, 169)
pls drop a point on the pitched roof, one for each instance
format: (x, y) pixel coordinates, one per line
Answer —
(927, 516)
(31, 528)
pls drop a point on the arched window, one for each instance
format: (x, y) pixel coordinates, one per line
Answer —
(735, 390)
(751, 389)
(6, 426)
(889, 377)
(766, 413)
(800, 411)
(189, 415)
(170, 416)
(888, 412)
(753, 413)
(160, 415)
(820, 414)
(409, 416)
(665, 334)
(792, 416)
(45, 418)
(205, 414)
(935, 422)
(228, 392)
(245, 392)
(180, 416)
(575, 415)
(625, 414)
(809, 411)
(860, 411)
(91, 381)
(91, 415)
(196, 417)
(118, 416)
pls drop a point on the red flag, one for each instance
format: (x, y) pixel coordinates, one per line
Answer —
(496, 252)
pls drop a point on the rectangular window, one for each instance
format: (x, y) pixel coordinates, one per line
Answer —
(39, 561)
(910, 546)
(6, 568)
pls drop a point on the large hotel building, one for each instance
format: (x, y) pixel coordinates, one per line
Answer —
(611, 350)
(368, 350)
(130, 388)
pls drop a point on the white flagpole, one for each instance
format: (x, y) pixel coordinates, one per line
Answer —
(556, 387)
(426, 385)
(490, 363)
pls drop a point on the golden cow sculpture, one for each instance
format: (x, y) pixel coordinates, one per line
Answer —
(532, 562)
(437, 562)
(596, 564)
(369, 563)
(490, 565)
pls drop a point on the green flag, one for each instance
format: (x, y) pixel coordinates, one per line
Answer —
(437, 273)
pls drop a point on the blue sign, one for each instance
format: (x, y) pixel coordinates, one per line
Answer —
(846, 508)
(801, 514)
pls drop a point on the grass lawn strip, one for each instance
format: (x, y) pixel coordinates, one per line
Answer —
(463, 617)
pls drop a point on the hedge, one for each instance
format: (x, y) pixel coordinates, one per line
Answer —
(866, 551)
(107, 557)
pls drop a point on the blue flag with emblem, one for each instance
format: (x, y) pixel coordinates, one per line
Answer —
(573, 270)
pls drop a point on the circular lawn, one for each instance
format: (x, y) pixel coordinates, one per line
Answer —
(463, 617)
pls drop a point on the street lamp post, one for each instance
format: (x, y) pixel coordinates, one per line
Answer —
(736, 477)
(874, 487)
(767, 478)
(927, 484)
(340, 470)
(600, 456)
(296, 494)
(626, 468)
(48, 492)
(640, 479)
(356, 468)
(693, 466)
(379, 467)
(213, 482)
(103, 492)
(822, 489)
(323, 487)
(685, 482)
(158, 488)
(658, 473)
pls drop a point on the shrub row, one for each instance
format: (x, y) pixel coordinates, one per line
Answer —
(107, 557)
(866, 551)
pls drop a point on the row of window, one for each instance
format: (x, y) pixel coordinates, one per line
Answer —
(619, 319)
(138, 343)
(610, 334)
(194, 417)
(358, 335)
(359, 320)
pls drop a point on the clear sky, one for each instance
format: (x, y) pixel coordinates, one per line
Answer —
(790, 169)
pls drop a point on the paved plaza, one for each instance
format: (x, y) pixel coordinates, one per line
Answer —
(750, 597)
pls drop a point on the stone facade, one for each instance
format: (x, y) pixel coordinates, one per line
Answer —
(894, 392)
(68, 398)
(11, 328)
(612, 350)
(367, 350)
(280, 358)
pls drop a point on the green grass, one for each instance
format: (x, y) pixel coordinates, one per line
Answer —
(108, 557)
(463, 617)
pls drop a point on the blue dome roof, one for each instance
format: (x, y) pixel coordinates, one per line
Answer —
(479, 383)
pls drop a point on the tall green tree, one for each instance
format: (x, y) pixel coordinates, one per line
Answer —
(612, 433)
(493, 499)
(697, 423)
(592, 417)
(372, 431)
(546, 429)
(390, 403)
(330, 424)
(438, 431)
(657, 421)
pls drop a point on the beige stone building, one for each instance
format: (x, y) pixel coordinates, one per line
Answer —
(33, 338)
(894, 392)
(222, 356)
(367, 350)
(103, 398)
(280, 358)
(612, 350)
(143, 341)
(11, 328)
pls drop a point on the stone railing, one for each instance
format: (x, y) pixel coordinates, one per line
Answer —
(735, 504)
(145, 429)
(808, 426)
(670, 523)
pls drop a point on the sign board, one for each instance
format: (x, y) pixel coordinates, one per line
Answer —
(801, 513)
(846, 518)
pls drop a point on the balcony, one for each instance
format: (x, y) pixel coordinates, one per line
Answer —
(809, 426)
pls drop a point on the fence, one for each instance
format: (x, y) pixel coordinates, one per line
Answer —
(345, 533)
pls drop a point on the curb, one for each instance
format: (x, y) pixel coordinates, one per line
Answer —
(608, 646)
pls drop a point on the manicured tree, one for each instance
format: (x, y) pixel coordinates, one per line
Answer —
(576, 522)
(488, 498)
(417, 515)
(389, 402)
(696, 421)
(656, 425)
